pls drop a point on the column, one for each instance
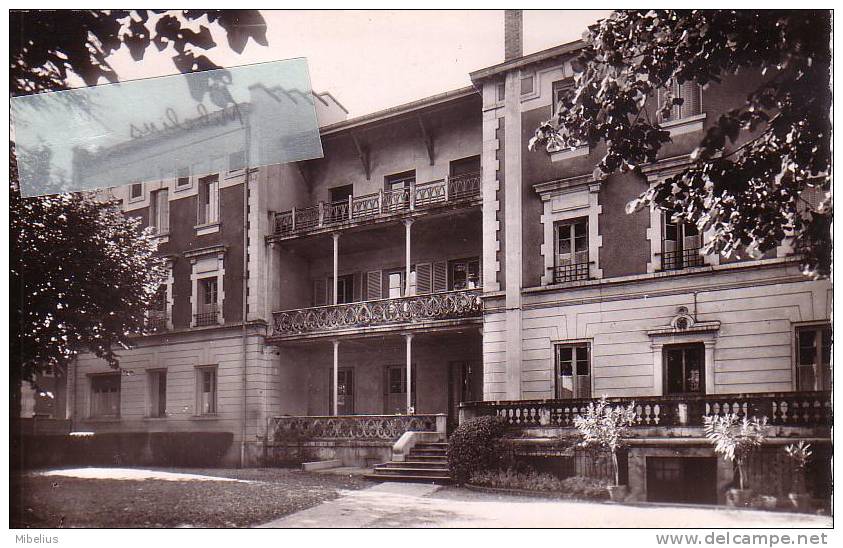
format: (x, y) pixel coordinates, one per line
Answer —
(407, 224)
(336, 237)
(409, 341)
(336, 375)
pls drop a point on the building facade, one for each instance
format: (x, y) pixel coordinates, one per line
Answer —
(431, 266)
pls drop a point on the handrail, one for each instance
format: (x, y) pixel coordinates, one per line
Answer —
(385, 203)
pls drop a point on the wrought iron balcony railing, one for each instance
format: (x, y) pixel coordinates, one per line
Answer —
(683, 258)
(207, 314)
(156, 320)
(780, 409)
(386, 203)
(571, 272)
(350, 427)
(418, 308)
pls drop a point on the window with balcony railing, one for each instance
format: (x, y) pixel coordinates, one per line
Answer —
(156, 315)
(572, 261)
(681, 245)
(207, 311)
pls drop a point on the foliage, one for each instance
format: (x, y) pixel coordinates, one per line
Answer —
(799, 454)
(82, 274)
(735, 438)
(530, 480)
(54, 44)
(475, 446)
(746, 181)
(604, 426)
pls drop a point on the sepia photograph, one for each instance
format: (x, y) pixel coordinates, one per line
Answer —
(402, 269)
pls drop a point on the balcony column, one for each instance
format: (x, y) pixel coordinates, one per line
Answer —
(336, 237)
(336, 377)
(408, 337)
(407, 224)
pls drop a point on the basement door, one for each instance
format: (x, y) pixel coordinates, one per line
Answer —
(690, 480)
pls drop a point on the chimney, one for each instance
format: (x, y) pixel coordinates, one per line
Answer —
(513, 30)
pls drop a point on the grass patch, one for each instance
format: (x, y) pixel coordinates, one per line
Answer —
(56, 501)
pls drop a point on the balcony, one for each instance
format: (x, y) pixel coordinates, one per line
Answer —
(385, 205)
(806, 409)
(206, 315)
(683, 258)
(156, 321)
(351, 427)
(572, 272)
(417, 309)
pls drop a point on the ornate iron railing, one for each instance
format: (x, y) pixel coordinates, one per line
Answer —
(571, 272)
(418, 308)
(156, 320)
(348, 427)
(780, 409)
(386, 203)
(206, 315)
(684, 258)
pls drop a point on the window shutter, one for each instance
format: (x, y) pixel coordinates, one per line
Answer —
(214, 189)
(329, 290)
(319, 292)
(358, 287)
(440, 276)
(373, 285)
(691, 93)
(423, 278)
(163, 211)
(669, 234)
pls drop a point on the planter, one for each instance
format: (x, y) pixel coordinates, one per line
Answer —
(739, 498)
(768, 502)
(618, 493)
(801, 502)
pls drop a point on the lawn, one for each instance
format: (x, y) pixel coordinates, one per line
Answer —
(39, 501)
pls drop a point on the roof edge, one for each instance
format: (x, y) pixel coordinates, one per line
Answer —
(488, 72)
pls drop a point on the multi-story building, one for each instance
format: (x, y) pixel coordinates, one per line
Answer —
(431, 266)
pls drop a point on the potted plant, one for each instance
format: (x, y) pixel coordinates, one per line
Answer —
(604, 427)
(735, 439)
(799, 454)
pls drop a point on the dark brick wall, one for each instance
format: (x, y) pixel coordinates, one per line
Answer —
(625, 249)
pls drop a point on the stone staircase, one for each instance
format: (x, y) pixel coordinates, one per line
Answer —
(426, 463)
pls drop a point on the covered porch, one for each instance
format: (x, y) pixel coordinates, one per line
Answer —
(351, 398)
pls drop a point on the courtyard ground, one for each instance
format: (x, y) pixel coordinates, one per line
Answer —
(420, 505)
(131, 497)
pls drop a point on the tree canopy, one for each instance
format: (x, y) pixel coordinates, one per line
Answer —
(761, 173)
(47, 46)
(83, 273)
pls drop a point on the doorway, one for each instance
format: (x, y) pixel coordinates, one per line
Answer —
(395, 389)
(345, 391)
(461, 387)
(689, 480)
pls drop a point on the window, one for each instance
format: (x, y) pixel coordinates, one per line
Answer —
(157, 313)
(813, 358)
(206, 312)
(341, 193)
(136, 191)
(561, 89)
(573, 371)
(396, 388)
(526, 85)
(345, 288)
(182, 177)
(160, 211)
(571, 251)
(396, 283)
(400, 181)
(681, 244)
(691, 95)
(465, 166)
(465, 274)
(208, 200)
(105, 395)
(684, 366)
(500, 90)
(206, 390)
(158, 393)
(236, 161)
(345, 391)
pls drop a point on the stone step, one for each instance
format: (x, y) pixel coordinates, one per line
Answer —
(428, 458)
(432, 445)
(407, 471)
(415, 464)
(414, 479)
(428, 453)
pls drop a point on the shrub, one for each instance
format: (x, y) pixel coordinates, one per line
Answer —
(475, 446)
(574, 487)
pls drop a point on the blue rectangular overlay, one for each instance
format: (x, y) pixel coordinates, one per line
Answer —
(163, 128)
